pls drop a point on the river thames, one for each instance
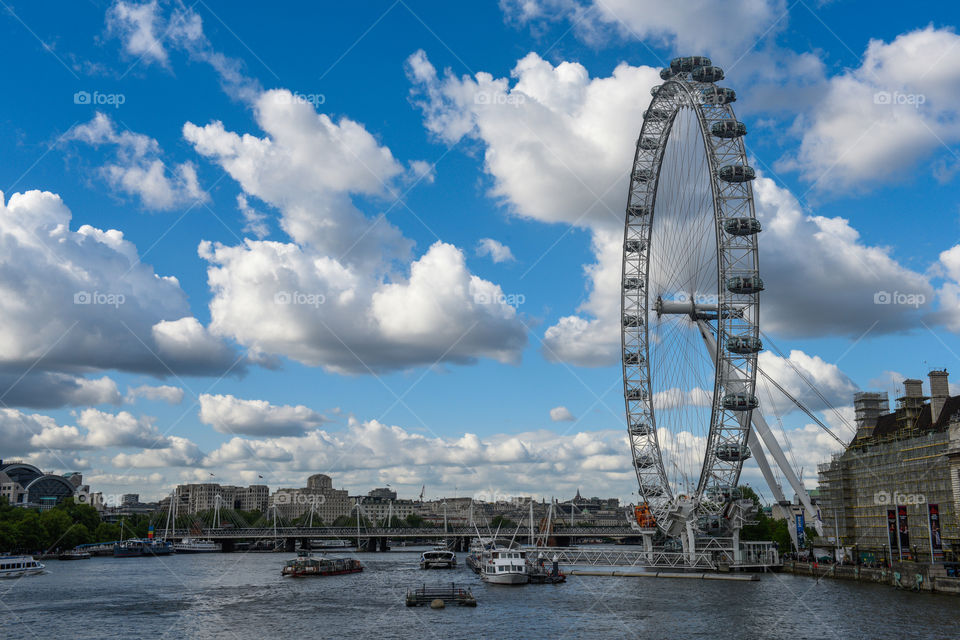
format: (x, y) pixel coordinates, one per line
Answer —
(242, 595)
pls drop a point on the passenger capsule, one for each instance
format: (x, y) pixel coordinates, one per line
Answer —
(644, 461)
(728, 129)
(732, 452)
(634, 246)
(649, 143)
(643, 175)
(632, 284)
(740, 402)
(666, 73)
(744, 285)
(744, 345)
(636, 393)
(718, 95)
(722, 493)
(632, 321)
(742, 226)
(656, 115)
(640, 428)
(707, 74)
(637, 211)
(736, 173)
(687, 64)
(632, 357)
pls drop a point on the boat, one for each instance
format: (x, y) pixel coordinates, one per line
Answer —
(154, 547)
(74, 554)
(539, 573)
(448, 595)
(306, 565)
(19, 566)
(132, 548)
(438, 559)
(191, 545)
(330, 544)
(505, 565)
(478, 546)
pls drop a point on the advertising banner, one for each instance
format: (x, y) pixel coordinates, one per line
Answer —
(904, 531)
(936, 542)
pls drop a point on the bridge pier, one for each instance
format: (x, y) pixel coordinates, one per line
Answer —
(289, 544)
(227, 546)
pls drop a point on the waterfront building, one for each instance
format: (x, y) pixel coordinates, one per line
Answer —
(25, 485)
(377, 508)
(385, 493)
(318, 496)
(199, 497)
(904, 461)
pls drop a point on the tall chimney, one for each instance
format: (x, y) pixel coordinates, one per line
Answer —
(913, 388)
(939, 392)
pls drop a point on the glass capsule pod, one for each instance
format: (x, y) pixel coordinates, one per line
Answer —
(722, 493)
(708, 73)
(649, 143)
(718, 95)
(740, 402)
(632, 284)
(633, 246)
(632, 321)
(657, 115)
(744, 345)
(728, 129)
(643, 175)
(742, 226)
(744, 285)
(637, 211)
(736, 173)
(666, 73)
(644, 461)
(632, 357)
(732, 452)
(686, 64)
(636, 393)
(640, 429)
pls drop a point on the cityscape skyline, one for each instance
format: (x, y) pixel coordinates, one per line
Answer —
(234, 253)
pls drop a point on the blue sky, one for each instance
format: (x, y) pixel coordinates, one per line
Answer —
(331, 116)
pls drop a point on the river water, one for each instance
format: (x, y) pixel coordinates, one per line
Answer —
(242, 595)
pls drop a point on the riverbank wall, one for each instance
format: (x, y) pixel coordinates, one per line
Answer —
(912, 576)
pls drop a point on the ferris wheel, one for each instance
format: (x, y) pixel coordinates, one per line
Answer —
(690, 299)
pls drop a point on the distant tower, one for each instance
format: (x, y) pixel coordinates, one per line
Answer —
(910, 403)
(868, 407)
(939, 392)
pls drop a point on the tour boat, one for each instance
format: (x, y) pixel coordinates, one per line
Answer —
(128, 549)
(478, 547)
(19, 566)
(503, 565)
(438, 559)
(189, 545)
(154, 547)
(306, 565)
(74, 554)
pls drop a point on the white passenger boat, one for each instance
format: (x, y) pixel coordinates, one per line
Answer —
(189, 545)
(438, 559)
(502, 565)
(19, 566)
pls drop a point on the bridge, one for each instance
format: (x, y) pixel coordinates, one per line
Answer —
(374, 539)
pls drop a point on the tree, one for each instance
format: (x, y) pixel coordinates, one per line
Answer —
(55, 524)
(416, 521)
(503, 522)
(106, 532)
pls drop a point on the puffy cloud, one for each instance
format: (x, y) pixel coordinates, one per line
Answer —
(47, 390)
(17, 430)
(102, 430)
(178, 452)
(730, 32)
(254, 221)
(164, 392)
(335, 296)
(138, 25)
(561, 414)
(835, 387)
(137, 168)
(229, 414)
(497, 251)
(83, 299)
(875, 123)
